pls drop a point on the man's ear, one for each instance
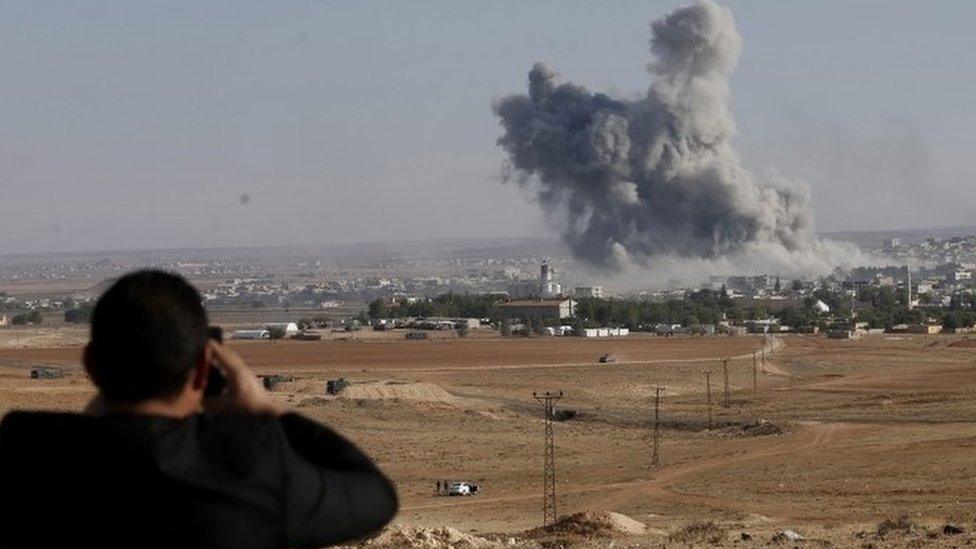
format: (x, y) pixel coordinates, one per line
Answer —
(202, 370)
(88, 361)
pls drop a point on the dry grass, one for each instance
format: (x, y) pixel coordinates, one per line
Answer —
(700, 532)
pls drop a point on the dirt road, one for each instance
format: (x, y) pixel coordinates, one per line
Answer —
(874, 428)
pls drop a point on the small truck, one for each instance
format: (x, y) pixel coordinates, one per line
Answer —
(462, 489)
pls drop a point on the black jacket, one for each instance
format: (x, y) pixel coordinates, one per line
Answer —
(205, 481)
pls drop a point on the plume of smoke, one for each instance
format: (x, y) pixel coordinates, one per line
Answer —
(635, 182)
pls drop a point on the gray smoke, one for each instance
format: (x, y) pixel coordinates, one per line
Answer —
(632, 180)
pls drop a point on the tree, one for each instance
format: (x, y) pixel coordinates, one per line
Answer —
(378, 309)
(957, 319)
(30, 317)
(507, 327)
(363, 317)
(577, 326)
(79, 314)
(535, 326)
(305, 323)
(795, 317)
(320, 321)
(276, 332)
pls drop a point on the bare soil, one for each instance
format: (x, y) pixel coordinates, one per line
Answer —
(853, 433)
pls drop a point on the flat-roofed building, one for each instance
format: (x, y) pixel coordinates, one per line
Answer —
(924, 329)
(588, 291)
(251, 334)
(540, 308)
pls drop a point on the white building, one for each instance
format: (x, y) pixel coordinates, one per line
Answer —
(959, 276)
(548, 288)
(290, 328)
(588, 291)
(251, 334)
(606, 332)
(3, 320)
(559, 330)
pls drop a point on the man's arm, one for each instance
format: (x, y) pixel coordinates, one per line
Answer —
(334, 492)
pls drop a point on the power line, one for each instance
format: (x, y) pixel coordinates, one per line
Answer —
(763, 349)
(655, 454)
(548, 400)
(708, 396)
(726, 401)
(755, 380)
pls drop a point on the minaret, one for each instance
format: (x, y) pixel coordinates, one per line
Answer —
(547, 288)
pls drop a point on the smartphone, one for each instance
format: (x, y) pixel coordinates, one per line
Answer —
(216, 382)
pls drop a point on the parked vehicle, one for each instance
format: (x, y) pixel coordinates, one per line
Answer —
(462, 489)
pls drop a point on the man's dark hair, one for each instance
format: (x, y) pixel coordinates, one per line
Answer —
(148, 332)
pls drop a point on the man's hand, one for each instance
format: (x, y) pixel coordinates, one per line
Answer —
(96, 406)
(244, 394)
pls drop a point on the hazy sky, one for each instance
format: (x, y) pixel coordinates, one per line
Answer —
(140, 124)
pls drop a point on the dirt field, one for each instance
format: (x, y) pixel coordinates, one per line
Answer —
(839, 437)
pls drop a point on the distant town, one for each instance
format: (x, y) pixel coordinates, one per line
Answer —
(926, 286)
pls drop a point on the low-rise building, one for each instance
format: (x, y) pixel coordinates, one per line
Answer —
(960, 276)
(666, 329)
(924, 329)
(290, 328)
(538, 308)
(588, 291)
(605, 332)
(558, 330)
(251, 334)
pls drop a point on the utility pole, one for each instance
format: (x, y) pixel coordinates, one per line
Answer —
(548, 400)
(708, 396)
(764, 354)
(655, 456)
(755, 381)
(725, 377)
(910, 305)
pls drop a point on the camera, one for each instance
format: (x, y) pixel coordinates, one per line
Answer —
(216, 382)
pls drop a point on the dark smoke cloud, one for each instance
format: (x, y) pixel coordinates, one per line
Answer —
(636, 180)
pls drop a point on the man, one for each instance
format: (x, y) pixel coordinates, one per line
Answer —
(153, 463)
